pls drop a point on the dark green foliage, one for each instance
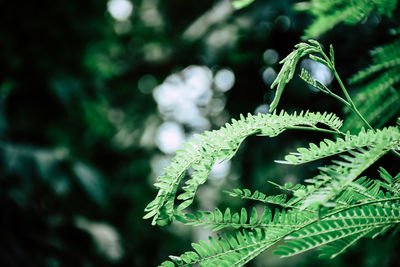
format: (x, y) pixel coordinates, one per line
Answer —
(378, 95)
(329, 13)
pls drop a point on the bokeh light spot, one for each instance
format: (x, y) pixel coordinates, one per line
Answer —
(224, 80)
(220, 170)
(170, 136)
(120, 9)
(270, 56)
(318, 71)
(269, 76)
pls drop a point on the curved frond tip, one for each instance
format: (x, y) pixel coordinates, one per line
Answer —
(222, 144)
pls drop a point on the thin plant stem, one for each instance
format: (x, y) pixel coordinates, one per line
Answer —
(315, 129)
(349, 102)
(352, 106)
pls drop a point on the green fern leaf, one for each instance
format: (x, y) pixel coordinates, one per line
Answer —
(222, 144)
(329, 148)
(348, 226)
(228, 250)
(334, 179)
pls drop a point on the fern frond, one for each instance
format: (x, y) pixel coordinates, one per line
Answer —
(330, 13)
(329, 148)
(221, 144)
(334, 179)
(229, 250)
(372, 69)
(348, 226)
(332, 233)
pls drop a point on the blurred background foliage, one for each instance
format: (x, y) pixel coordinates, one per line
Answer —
(96, 95)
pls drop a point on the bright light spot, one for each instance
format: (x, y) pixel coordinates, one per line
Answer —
(199, 80)
(183, 97)
(270, 56)
(224, 80)
(120, 9)
(147, 83)
(321, 72)
(200, 124)
(318, 71)
(263, 109)
(185, 112)
(170, 137)
(269, 76)
(220, 170)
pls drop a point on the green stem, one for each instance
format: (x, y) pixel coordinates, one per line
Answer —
(315, 129)
(352, 106)
(349, 102)
(337, 97)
